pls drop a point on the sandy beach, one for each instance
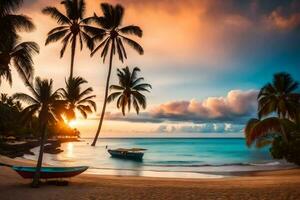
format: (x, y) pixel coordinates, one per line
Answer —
(282, 184)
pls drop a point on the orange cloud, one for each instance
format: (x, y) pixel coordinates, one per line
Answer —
(284, 22)
(236, 103)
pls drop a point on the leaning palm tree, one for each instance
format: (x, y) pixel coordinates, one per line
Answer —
(12, 23)
(47, 105)
(112, 37)
(279, 97)
(71, 29)
(19, 56)
(77, 99)
(129, 91)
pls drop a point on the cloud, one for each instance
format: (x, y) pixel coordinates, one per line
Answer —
(142, 117)
(237, 107)
(284, 22)
(285, 16)
(202, 128)
(233, 108)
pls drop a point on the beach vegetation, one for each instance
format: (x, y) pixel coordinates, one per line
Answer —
(278, 121)
(78, 99)
(73, 27)
(112, 38)
(129, 91)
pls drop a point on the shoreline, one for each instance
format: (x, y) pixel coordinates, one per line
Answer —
(217, 171)
(280, 184)
(27, 162)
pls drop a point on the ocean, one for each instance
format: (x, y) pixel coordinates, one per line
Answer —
(167, 157)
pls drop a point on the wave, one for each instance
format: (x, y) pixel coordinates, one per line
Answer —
(177, 164)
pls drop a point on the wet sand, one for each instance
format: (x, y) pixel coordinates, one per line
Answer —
(282, 184)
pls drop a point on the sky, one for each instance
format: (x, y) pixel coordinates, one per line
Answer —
(206, 61)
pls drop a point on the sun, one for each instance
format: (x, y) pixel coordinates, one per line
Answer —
(72, 123)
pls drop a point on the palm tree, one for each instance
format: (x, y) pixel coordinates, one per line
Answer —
(48, 106)
(11, 22)
(111, 36)
(71, 27)
(18, 55)
(10, 101)
(77, 99)
(262, 131)
(128, 92)
(279, 96)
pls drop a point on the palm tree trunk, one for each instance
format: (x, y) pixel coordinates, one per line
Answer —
(36, 178)
(105, 96)
(73, 56)
(284, 133)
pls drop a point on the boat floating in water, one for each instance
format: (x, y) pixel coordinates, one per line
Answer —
(50, 172)
(130, 154)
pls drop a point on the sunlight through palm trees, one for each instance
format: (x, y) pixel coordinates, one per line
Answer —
(48, 106)
(78, 99)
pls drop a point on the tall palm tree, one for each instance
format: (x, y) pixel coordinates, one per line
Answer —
(128, 92)
(77, 99)
(12, 23)
(112, 37)
(71, 29)
(18, 55)
(279, 96)
(48, 106)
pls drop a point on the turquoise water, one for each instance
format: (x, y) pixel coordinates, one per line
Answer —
(166, 155)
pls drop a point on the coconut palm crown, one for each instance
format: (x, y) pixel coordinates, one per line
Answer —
(19, 56)
(279, 97)
(77, 99)
(129, 91)
(111, 35)
(71, 29)
(11, 22)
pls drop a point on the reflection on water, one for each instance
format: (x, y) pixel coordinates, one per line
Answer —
(69, 149)
(165, 155)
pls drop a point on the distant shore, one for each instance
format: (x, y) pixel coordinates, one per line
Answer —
(281, 184)
(17, 148)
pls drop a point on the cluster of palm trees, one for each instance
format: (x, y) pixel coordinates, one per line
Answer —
(74, 27)
(99, 33)
(278, 113)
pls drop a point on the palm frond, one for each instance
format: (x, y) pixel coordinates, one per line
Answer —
(134, 45)
(25, 97)
(59, 28)
(116, 87)
(65, 42)
(133, 30)
(9, 6)
(19, 22)
(56, 14)
(100, 45)
(56, 36)
(113, 96)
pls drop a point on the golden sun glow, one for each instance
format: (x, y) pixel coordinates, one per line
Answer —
(72, 123)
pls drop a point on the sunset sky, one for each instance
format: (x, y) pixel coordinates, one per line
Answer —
(205, 59)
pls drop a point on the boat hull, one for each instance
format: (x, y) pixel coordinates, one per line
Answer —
(50, 172)
(126, 155)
